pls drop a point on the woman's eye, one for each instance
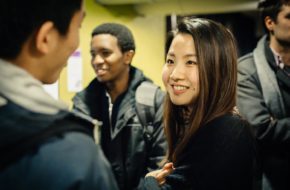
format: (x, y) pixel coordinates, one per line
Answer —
(191, 62)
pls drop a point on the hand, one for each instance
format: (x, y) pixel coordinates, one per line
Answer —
(161, 174)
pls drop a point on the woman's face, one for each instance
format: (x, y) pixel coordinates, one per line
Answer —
(180, 72)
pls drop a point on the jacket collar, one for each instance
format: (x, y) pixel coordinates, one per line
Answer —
(20, 87)
(86, 100)
(267, 77)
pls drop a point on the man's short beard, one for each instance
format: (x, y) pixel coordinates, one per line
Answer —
(284, 43)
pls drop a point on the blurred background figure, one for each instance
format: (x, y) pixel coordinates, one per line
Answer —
(264, 93)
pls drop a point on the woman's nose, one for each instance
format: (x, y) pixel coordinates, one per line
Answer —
(177, 73)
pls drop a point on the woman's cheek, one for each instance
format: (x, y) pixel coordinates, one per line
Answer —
(165, 75)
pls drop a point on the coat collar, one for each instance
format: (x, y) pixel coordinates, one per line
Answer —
(267, 77)
(86, 100)
(20, 87)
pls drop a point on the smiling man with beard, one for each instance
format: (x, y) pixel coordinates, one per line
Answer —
(264, 93)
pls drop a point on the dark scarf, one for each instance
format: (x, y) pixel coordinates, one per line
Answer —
(282, 74)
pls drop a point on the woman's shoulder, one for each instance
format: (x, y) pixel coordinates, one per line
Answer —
(229, 125)
(226, 134)
(228, 120)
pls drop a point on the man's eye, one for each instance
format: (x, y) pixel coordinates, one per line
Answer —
(106, 53)
(93, 54)
(169, 61)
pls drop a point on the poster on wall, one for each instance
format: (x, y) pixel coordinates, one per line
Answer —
(74, 72)
(52, 89)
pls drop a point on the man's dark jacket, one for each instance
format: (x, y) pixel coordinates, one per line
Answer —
(124, 144)
(66, 161)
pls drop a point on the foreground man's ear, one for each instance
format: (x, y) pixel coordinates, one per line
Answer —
(45, 37)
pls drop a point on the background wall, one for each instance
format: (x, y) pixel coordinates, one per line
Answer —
(148, 24)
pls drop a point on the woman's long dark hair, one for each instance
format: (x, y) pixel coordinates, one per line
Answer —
(217, 64)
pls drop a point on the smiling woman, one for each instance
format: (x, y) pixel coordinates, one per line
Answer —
(180, 73)
(210, 146)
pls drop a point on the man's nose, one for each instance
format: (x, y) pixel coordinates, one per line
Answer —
(98, 59)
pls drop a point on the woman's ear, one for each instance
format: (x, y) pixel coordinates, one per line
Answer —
(44, 38)
(128, 56)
